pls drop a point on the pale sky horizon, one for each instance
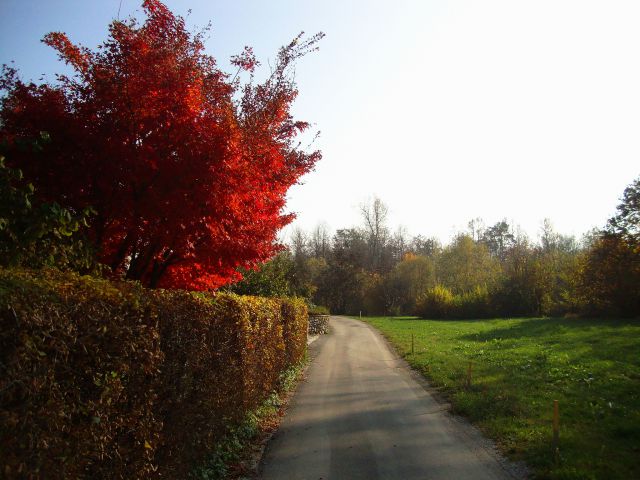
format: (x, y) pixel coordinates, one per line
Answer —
(445, 110)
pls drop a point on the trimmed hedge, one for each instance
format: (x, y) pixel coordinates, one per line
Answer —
(110, 380)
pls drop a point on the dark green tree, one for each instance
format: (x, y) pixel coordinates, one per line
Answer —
(498, 239)
(275, 278)
(627, 221)
(610, 279)
(35, 233)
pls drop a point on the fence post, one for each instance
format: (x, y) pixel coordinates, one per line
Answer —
(556, 430)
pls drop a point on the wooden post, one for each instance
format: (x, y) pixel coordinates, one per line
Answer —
(412, 344)
(360, 314)
(556, 430)
(469, 375)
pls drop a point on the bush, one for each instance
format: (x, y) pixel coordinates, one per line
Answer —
(319, 310)
(439, 302)
(436, 302)
(112, 380)
(295, 319)
(473, 304)
(79, 377)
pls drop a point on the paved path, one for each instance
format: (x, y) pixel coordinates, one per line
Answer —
(361, 414)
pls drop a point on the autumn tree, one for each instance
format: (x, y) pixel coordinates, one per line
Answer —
(186, 167)
(465, 265)
(409, 279)
(610, 277)
(611, 272)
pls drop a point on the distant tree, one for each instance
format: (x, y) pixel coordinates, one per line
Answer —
(610, 277)
(313, 274)
(299, 244)
(498, 239)
(516, 292)
(375, 295)
(409, 279)
(428, 247)
(320, 241)
(342, 284)
(549, 239)
(349, 246)
(626, 222)
(465, 264)
(399, 244)
(476, 228)
(556, 272)
(374, 215)
(187, 168)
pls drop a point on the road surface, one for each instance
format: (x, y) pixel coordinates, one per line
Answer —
(361, 414)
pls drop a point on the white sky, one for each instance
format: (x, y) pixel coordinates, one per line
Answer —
(488, 109)
(446, 110)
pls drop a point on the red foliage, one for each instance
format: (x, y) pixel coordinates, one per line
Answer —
(187, 168)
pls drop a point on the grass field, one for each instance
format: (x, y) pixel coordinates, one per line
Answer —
(518, 367)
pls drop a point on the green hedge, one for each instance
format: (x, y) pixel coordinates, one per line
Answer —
(110, 380)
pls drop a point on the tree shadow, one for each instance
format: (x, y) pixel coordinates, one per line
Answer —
(546, 328)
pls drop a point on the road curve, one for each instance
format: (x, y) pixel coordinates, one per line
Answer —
(361, 414)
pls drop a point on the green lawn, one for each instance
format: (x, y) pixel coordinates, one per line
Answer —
(519, 366)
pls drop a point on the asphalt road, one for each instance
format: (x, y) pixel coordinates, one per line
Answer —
(361, 414)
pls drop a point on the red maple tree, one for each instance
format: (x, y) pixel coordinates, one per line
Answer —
(187, 167)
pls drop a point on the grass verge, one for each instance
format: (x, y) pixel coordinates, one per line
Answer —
(519, 367)
(232, 457)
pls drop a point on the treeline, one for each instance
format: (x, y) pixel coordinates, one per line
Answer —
(486, 271)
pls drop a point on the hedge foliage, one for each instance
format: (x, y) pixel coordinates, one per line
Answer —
(110, 380)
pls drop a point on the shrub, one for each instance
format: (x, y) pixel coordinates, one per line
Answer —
(112, 380)
(295, 319)
(319, 310)
(200, 378)
(473, 304)
(79, 365)
(439, 302)
(436, 302)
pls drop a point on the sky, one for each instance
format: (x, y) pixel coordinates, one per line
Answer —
(445, 110)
